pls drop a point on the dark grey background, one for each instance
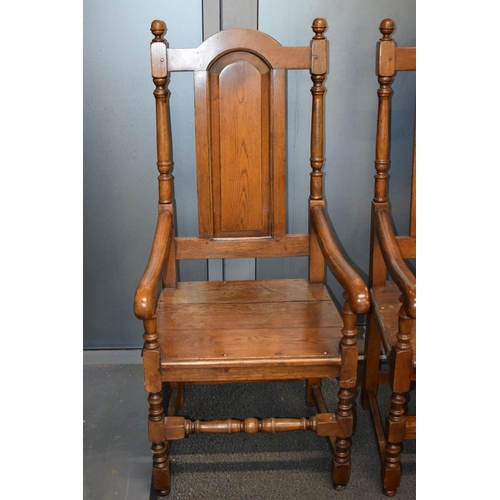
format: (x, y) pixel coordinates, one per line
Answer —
(120, 186)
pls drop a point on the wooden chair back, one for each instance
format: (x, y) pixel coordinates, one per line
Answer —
(240, 125)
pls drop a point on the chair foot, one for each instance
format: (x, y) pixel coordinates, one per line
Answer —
(157, 494)
(341, 473)
(161, 481)
(161, 494)
(391, 478)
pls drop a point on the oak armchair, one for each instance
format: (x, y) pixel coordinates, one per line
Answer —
(245, 331)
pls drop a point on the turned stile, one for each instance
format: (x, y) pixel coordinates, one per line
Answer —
(386, 71)
(319, 50)
(159, 70)
(160, 78)
(318, 72)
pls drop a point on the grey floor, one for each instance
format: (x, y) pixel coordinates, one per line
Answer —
(291, 466)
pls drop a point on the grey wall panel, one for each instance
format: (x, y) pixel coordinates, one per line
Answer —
(239, 14)
(211, 17)
(120, 187)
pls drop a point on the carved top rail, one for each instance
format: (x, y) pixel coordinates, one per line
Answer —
(201, 57)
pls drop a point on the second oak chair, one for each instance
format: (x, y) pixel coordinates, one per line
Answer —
(391, 323)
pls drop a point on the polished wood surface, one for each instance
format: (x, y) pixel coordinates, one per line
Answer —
(179, 427)
(391, 322)
(245, 331)
(234, 328)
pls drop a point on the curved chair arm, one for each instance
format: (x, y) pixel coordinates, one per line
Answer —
(399, 271)
(349, 279)
(145, 295)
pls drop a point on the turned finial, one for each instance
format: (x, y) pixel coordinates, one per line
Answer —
(158, 28)
(319, 27)
(386, 28)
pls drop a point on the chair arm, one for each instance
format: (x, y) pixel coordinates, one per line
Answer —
(398, 270)
(145, 295)
(349, 279)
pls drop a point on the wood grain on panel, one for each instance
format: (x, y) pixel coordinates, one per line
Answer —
(239, 86)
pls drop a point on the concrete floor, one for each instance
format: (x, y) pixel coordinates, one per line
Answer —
(291, 466)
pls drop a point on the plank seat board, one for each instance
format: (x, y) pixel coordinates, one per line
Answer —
(386, 304)
(234, 316)
(248, 323)
(201, 292)
(251, 344)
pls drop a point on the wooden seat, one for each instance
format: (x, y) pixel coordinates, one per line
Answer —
(245, 331)
(392, 319)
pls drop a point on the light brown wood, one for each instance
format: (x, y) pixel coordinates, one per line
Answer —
(200, 58)
(176, 428)
(318, 72)
(391, 323)
(201, 248)
(411, 427)
(159, 71)
(357, 293)
(261, 315)
(239, 84)
(229, 292)
(224, 373)
(317, 266)
(406, 59)
(169, 276)
(385, 304)
(292, 323)
(241, 176)
(246, 331)
(398, 269)
(146, 293)
(407, 246)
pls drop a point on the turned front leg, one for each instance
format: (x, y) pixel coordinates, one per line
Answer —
(156, 417)
(161, 463)
(400, 380)
(348, 376)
